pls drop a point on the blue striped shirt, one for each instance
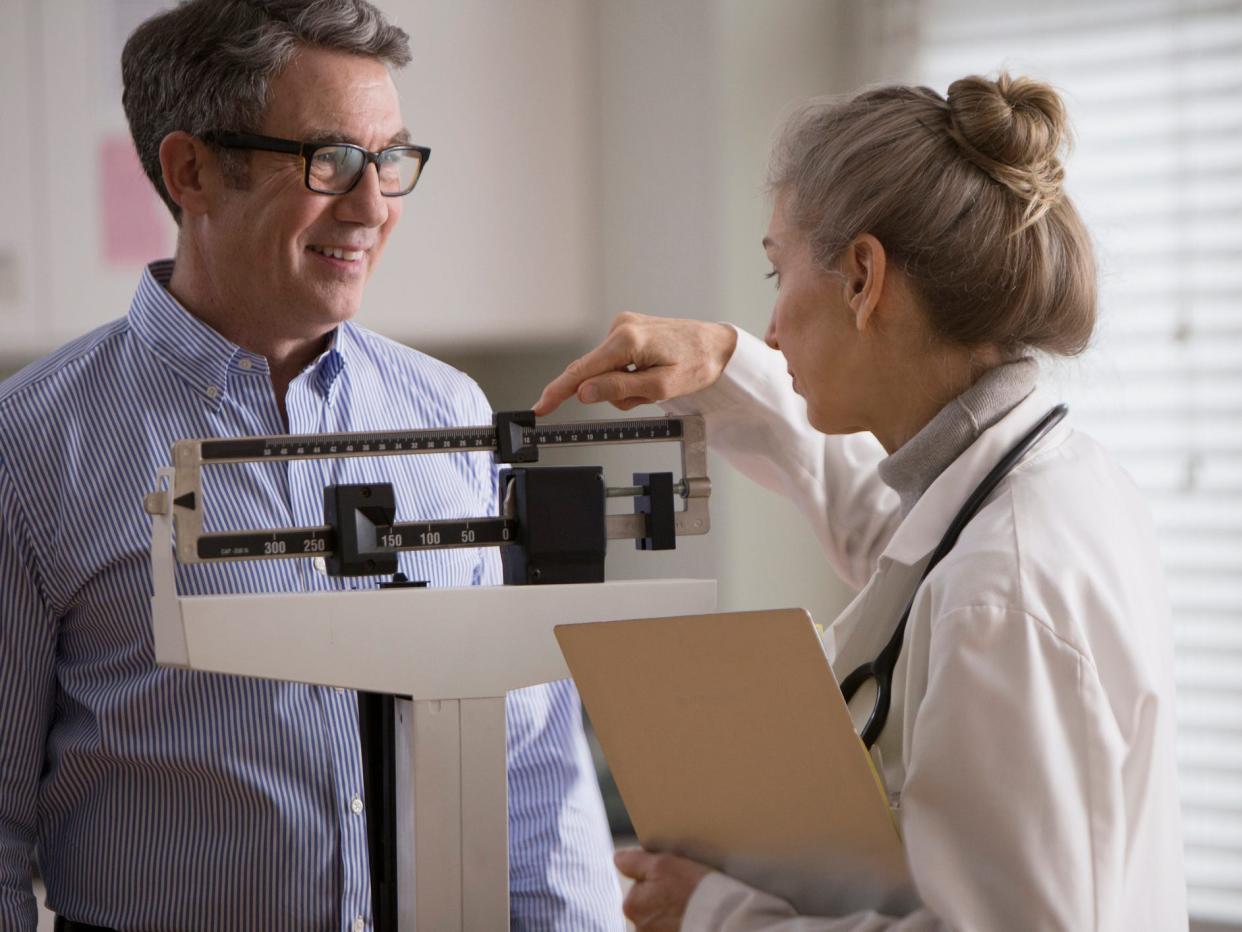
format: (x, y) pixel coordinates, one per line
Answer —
(177, 800)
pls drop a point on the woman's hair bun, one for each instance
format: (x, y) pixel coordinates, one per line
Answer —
(1015, 130)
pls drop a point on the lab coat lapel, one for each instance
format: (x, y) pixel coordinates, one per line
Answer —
(861, 631)
(855, 638)
(865, 625)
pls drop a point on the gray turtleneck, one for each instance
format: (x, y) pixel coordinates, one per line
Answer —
(912, 468)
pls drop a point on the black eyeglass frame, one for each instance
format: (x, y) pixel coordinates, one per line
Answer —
(307, 149)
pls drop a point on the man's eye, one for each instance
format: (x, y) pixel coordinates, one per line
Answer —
(774, 274)
(330, 158)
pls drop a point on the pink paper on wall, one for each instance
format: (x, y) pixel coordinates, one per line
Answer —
(135, 229)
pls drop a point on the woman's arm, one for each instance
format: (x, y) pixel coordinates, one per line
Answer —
(754, 418)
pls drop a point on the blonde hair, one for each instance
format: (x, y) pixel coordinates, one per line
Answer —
(965, 194)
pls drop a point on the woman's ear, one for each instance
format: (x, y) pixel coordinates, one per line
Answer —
(864, 265)
(184, 162)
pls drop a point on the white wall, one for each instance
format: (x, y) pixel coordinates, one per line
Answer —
(693, 92)
(500, 244)
(60, 107)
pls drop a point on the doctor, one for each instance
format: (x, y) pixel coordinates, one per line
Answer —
(925, 256)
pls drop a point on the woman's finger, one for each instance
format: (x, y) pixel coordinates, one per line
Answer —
(644, 906)
(633, 862)
(618, 386)
(615, 353)
(626, 404)
(652, 358)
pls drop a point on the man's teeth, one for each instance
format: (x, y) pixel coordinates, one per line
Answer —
(349, 255)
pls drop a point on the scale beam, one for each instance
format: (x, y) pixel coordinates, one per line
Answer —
(184, 497)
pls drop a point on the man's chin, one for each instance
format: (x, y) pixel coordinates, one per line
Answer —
(333, 309)
(339, 313)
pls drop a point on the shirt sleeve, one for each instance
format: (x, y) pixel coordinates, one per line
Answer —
(561, 876)
(27, 651)
(758, 423)
(1009, 808)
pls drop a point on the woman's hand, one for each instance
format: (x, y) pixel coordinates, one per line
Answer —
(642, 360)
(663, 884)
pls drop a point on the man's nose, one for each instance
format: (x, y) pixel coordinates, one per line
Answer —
(364, 204)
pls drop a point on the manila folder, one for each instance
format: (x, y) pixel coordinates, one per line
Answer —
(731, 744)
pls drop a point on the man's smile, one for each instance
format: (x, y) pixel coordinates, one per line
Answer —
(339, 252)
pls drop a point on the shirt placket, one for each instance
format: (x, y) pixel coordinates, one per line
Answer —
(309, 412)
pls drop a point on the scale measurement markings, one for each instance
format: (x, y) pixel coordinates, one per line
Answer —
(445, 440)
(604, 432)
(293, 542)
(318, 542)
(311, 446)
(433, 535)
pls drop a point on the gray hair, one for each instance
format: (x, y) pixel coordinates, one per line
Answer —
(965, 194)
(206, 65)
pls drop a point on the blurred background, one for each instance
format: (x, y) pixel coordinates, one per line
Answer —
(594, 156)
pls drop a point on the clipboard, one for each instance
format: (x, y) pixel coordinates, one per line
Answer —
(731, 744)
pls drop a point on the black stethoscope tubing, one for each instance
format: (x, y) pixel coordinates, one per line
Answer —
(881, 668)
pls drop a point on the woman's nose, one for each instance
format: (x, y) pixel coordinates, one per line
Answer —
(769, 335)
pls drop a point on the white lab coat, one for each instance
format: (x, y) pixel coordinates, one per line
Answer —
(1029, 750)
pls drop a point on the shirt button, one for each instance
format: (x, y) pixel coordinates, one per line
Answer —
(340, 690)
(356, 805)
(359, 924)
(321, 565)
(213, 392)
(244, 364)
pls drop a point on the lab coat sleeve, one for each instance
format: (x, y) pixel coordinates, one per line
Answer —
(1008, 795)
(758, 423)
(27, 653)
(1011, 802)
(722, 904)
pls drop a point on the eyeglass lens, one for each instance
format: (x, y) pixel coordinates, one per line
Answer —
(334, 169)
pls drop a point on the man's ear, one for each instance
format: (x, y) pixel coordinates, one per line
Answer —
(186, 162)
(864, 265)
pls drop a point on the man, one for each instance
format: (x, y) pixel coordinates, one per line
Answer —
(176, 800)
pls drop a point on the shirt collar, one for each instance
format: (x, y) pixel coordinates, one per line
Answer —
(329, 364)
(927, 521)
(200, 355)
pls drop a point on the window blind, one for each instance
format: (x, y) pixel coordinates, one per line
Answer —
(1154, 89)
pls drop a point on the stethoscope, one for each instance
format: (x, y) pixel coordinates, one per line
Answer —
(881, 669)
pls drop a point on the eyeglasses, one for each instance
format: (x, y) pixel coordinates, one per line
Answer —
(336, 167)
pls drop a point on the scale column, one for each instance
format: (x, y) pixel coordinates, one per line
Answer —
(453, 828)
(484, 815)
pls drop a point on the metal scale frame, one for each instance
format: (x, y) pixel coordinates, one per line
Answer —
(434, 671)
